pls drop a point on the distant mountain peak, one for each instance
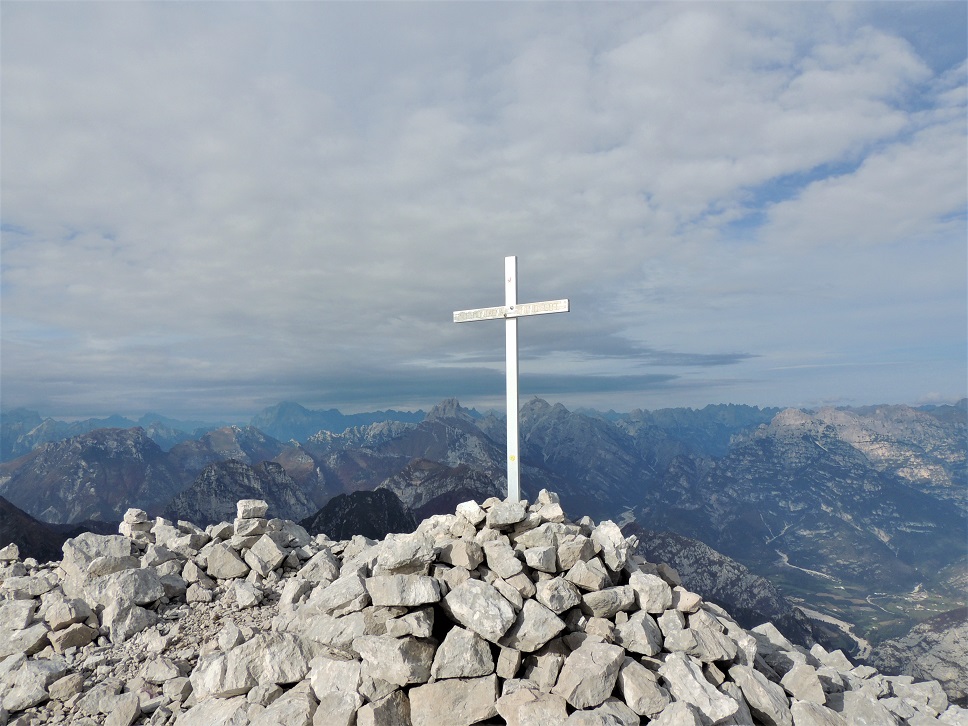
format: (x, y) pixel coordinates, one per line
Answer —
(537, 405)
(449, 408)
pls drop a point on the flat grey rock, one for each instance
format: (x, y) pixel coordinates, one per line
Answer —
(455, 702)
(402, 590)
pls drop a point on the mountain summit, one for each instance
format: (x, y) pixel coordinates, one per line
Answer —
(501, 613)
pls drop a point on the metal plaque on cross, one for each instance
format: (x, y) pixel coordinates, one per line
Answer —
(510, 312)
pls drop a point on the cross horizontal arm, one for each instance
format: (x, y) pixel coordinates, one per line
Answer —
(503, 312)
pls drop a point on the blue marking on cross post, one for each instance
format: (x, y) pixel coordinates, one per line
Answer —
(510, 312)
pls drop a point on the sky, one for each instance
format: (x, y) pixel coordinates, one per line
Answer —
(208, 208)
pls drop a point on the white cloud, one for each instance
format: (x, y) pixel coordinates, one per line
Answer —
(259, 191)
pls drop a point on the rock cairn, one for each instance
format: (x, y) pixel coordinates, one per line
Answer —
(502, 613)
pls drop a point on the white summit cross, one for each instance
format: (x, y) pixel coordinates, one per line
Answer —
(510, 312)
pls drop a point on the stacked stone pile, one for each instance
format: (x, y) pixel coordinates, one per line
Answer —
(502, 613)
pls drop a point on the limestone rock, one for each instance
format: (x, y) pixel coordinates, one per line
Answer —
(806, 713)
(10, 553)
(418, 623)
(534, 626)
(588, 575)
(215, 676)
(80, 551)
(606, 603)
(639, 634)
(543, 559)
(679, 713)
(216, 712)
(461, 553)
(803, 683)
(400, 661)
(543, 667)
(246, 594)
(251, 508)
(462, 654)
(641, 690)
(652, 593)
(329, 674)
(322, 567)
(574, 548)
(280, 658)
(589, 673)
(122, 709)
(67, 612)
(531, 707)
(557, 594)
(687, 683)
(552, 615)
(391, 710)
(265, 555)
(767, 700)
(454, 702)
(73, 636)
(126, 619)
(29, 640)
(612, 543)
(506, 514)
(295, 708)
(404, 554)
(338, 708)
(24, 695)
(501, 559)
(140, 586)
(481, 608)
(344, 595)
(224, 563)
(612, 712)
(18, 614)
(861, 709)
(402, 590)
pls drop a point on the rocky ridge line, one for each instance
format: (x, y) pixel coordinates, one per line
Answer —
(502, 613)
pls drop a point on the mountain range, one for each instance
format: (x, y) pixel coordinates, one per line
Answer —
(858, 516)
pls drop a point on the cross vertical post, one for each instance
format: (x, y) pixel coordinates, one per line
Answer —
(511, 368)
(510, 312)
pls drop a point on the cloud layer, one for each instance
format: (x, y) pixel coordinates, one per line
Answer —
(209, 208)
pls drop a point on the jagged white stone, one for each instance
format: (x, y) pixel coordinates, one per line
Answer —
(534, 626)
(481, 608)
(639, 634)
(803, 683)
(686, 682)
(640, 688)
(462, 654)
(400, 661)
(767, 700)
(390, 710)
(589, 673)
(224, 563)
